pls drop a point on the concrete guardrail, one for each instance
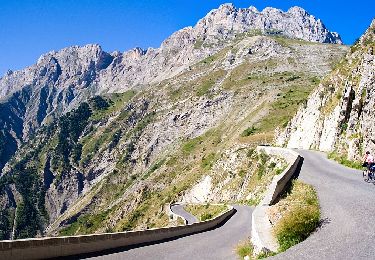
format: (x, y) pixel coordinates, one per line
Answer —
(51, 247)
(261, 231)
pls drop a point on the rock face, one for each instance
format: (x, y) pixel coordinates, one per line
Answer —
(339, 114)
(165, 119)
(295, 23)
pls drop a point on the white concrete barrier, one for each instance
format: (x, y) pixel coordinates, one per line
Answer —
(261, 232)
(51, 247)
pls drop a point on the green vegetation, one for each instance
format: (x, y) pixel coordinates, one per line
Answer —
(284, 108)
(245, 248)
(343, 159)
(266, 168)
(205, 212)
(180, 175)
(206, 83)
(114, 102)
(6, 218)
(31, 213)
(249, 131)
(153, 168)
(85, 224)
(300, 215)
(198, 44)
(208, 161)
(98, 103)
(70, 127)
(191, 145)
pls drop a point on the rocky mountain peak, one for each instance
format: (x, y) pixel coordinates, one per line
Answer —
(227, 7)
(296, 23)
(252, 9)
(296, 10)
(271, 10)
(135, 54)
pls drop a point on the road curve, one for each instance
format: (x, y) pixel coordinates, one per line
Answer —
(348, 212)
(215, 244)
(179, 210)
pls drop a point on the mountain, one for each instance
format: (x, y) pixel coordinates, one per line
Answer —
(61, 80)
(338, 117)
(93, 141)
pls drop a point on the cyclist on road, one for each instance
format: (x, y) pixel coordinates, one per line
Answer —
(369, 160)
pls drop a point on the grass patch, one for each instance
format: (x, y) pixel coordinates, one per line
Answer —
(153, 168)
(208, 161)
(205, 212)
(342, 159)
(300, 215)
(249, 131)
(191, 145)
(245, 248)
(284, 108)
(85, 224)
(207, 82)
(116, 102)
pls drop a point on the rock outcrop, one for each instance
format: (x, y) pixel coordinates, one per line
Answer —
(338, 116)
(227, 21)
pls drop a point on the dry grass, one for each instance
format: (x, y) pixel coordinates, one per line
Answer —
(244, 248)
(296, 216)
(205, 212)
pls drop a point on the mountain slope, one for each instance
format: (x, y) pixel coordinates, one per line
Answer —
(338, 116)
(187, 116)
(61, 80)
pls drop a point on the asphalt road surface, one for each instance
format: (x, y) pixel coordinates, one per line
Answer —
(348, 212)
(215, 244)
(179, 210)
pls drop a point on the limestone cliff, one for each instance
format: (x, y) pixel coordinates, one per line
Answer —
(338, 116)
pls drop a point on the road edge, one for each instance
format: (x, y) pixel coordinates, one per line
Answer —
(261, 228)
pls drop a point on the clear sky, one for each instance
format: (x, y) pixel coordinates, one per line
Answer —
(31, 28)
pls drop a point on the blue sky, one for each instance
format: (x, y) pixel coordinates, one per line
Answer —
(31, 28)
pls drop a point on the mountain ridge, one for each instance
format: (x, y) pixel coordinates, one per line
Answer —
(99, 141)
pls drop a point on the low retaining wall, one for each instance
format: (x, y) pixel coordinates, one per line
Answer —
(42, 248)
(261, 232)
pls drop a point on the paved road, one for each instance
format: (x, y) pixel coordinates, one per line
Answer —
(179, 210)
(348, 208)
(215, 244)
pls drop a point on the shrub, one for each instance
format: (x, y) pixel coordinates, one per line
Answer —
(300, 219)
(342, 159)
(249, 131)
(206, 216)
(98, 103)
(245, 248)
